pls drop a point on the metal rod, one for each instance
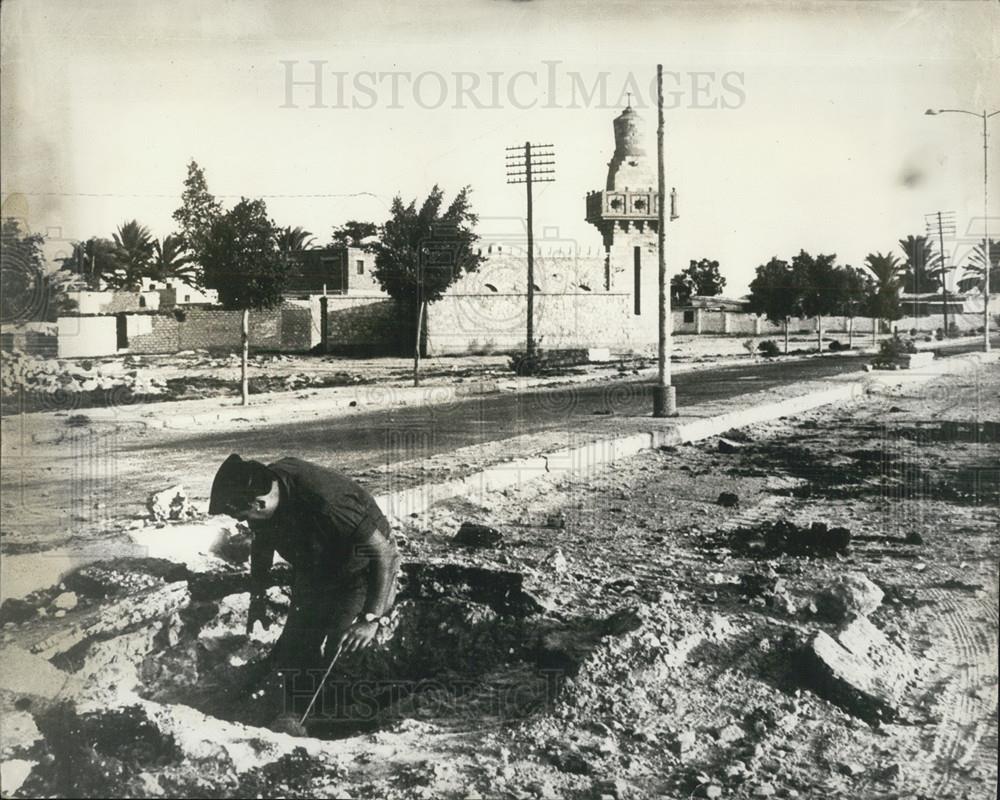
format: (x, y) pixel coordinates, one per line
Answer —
(319, 688)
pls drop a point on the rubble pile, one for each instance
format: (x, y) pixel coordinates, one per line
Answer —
(30, 383)
(783, 536)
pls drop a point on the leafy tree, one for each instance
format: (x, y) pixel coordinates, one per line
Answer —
(29, 290)
(352, 233)
(132, 256)
(700, 277)
(818, 287)
(884, 302)
(241, 261)
(972, 277)
(198, 212)
(775, 293)
(92, 260)
(923, 267)
(422, 252)
(171, 259)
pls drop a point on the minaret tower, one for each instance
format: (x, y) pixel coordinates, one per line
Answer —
(625, 213)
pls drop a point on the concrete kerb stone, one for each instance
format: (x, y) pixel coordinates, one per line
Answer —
(587, 459)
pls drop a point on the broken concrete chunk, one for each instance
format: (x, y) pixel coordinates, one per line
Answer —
(474, 535)
(846, 679)
(556, 561)
(26, 674)
(170, 504)
(850, 594)
(67, 601)
(14, 773)
(730, 734)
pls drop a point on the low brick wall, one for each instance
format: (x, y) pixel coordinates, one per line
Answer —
(286, 329)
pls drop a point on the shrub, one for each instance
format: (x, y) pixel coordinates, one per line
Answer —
(892, 349)
(836, 347)
(769, 348)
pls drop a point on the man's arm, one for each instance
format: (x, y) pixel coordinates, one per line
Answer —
(383, 562)
(261, 559)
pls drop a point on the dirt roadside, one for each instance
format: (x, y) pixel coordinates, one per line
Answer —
(663, 662)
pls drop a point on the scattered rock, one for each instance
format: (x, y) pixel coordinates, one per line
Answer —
(26, 674)
(914, 538)
(728, 500)
(729, 446)
(14, 773)
(850, 768)
(847, 679)
(474, 535)
(730, 734)
(556, 561)
(849, 595)
(713, 790)
(170, 504)
(763, 790)
(784, 536)
(66, 601)
(682, 743)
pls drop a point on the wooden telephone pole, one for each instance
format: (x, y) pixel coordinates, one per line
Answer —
(942, 222)
(664, 394)
(524, 164)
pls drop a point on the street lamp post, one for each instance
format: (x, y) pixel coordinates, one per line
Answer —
(986, 214)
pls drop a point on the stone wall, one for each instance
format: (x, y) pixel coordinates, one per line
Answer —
(360, 325)
(495, 322)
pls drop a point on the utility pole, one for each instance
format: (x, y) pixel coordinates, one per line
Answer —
(524, 164)
(984, 116)
(942, 221)
(664, 394)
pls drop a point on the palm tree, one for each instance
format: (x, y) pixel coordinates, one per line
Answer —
(171, 259)
(976, 268)
(293, 240)
(93, 260)
(923, 266)
(132, 256)
(884, 302)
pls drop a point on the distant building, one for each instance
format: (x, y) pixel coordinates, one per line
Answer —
(334, 270)
(175, 292)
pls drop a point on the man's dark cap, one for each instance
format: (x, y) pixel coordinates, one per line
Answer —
(237, 483)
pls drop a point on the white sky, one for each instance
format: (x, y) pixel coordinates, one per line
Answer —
(828, 149)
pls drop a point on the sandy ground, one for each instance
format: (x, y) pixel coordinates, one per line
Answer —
(666, 661)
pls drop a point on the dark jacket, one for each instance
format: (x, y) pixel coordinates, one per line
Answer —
(322, 517)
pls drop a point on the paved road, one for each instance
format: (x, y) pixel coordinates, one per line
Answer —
(362, 440)
(75, 490)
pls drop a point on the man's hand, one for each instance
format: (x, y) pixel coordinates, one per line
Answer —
(358, 636)
(258, 613)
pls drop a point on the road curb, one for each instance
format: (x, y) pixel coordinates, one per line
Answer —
(586, 459)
